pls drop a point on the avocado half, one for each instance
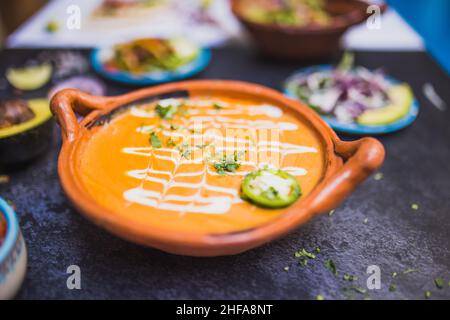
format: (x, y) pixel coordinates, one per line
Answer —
(401, 97)
(23, 142)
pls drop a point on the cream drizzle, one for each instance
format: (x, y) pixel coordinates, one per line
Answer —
(197, 203)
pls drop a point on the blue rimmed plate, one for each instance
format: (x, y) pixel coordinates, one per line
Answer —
(354, 128)
(100, 55)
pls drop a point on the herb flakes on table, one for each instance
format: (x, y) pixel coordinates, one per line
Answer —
(304, 256)
(349, 277)
(378, 176)
(348, 291)
(439, 282)
(329, 264)
(410, 270)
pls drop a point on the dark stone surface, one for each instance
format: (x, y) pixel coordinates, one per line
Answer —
(395, 237)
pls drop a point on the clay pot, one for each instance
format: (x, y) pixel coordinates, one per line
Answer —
(309, 42)
(347, 164)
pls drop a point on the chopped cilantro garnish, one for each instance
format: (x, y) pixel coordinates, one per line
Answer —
(154, 140)
(317, 249)
(439, 282)
(427, 294)
(415, 206)
(320, 297)
(392, 287)
(170, 143)
(394, 274)
(229, 163)
(184, 150)
(329, 264)
(166, 112)
(218, 105)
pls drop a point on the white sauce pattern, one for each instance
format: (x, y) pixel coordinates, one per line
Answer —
(197, 202)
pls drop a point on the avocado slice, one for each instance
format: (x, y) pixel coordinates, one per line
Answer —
(29, 78)
(401, 97)
(24, 141)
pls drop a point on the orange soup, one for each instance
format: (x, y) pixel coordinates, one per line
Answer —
(156, 163)
(2, 229)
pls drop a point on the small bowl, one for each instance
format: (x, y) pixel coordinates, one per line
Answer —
(13, 254)
(310, 42)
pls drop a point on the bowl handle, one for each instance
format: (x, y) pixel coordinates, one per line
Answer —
(68, 102)
(361, 157)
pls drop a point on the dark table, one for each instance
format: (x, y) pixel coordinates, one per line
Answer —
(394, 237)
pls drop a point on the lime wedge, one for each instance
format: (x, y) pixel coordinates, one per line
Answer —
(29, 78)
(184, 49)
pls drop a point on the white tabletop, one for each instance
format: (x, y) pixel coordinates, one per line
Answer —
(394, 33)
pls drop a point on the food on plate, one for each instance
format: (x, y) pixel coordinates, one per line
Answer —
(29, 78)
(2, 229)
(120, 7)
(400, 97)
(84, 83)
(292, 13)
(201, 164)
(25, 130)
(52, 26)
(272, 188)
(152, 54)
(352, 94)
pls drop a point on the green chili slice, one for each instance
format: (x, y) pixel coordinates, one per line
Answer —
(270, 188)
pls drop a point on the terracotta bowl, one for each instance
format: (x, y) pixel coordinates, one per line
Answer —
(310, 42)
(347, 164)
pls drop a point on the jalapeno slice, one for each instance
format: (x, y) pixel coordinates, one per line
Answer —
(271, 188)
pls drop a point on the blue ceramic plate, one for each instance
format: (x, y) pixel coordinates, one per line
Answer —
(355, 128)
(98, 56)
